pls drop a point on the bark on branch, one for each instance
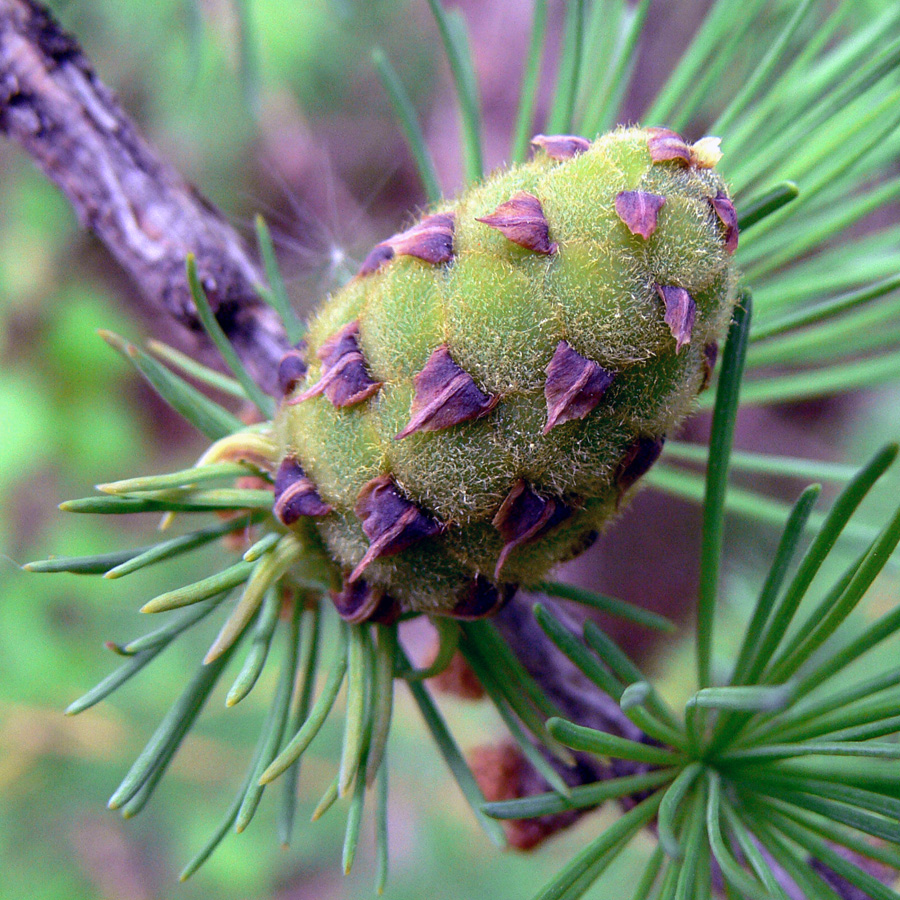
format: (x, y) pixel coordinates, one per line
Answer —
(71, 125)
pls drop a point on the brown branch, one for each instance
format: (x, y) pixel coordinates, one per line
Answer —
(71, 125)
(577, 697)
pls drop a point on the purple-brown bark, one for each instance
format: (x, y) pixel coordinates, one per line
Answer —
(149, 218)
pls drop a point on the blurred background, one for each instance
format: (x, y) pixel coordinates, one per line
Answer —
(268, 106)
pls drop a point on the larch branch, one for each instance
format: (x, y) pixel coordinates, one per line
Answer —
(72, 126)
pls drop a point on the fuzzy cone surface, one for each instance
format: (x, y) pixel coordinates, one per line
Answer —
(502, 311)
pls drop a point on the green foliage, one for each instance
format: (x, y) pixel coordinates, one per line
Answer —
(733, 754)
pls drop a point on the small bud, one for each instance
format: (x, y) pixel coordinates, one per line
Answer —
(457, 679)
(639, 211)
(345, 379)
(680, 313)
(521, 219)
(574, 386)
(445, 395)
(503, 773)
(391, 522)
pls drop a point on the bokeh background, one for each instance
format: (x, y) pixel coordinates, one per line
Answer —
(268, 106)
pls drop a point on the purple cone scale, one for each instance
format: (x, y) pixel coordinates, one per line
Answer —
(639, 211)
(295, 495)
(710, 355)
(680, 313)
(638, 460)
(521, 219)
(574, 386)
(481, 598)
(445, 396)
(291, 371)
(391, 522)
(345, 379)
(523, 516)
(666, 146)
(359, 601)
(431, 240)
(560, 146)
(727, 214)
